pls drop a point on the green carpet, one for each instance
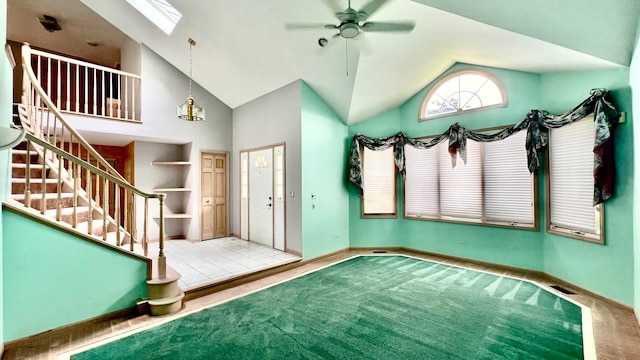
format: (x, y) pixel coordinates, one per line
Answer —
(373, 307)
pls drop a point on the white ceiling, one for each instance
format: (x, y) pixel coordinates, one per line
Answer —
(243, 50)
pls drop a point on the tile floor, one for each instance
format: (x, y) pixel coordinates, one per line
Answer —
(213, 260)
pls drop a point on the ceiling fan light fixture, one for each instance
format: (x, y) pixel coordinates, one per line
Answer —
(349, 30)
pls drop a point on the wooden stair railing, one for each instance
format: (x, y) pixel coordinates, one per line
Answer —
(82, 178)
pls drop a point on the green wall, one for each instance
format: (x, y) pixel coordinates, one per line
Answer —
(634, 77)
(6, 90)
(52, 278)
(325, 221)
(606, 270)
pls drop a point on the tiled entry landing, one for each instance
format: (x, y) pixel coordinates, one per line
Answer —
(212, 260)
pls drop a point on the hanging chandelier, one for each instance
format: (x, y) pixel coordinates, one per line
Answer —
(190, 111)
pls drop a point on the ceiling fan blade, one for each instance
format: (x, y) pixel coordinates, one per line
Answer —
(303, 26)
(333, 5)
(369, 8)
(405, 26)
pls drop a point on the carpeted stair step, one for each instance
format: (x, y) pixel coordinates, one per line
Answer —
(19, 156)
(19, 170)
(18, 185)
(82, 214)
(51, 200)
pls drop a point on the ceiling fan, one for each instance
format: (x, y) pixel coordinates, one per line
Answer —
(353, 22)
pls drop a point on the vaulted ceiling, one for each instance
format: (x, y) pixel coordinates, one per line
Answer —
(244, 49)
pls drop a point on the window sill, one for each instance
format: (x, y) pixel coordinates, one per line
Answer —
(499, 224)
(579, 235)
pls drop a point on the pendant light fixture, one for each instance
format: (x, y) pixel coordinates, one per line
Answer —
(190, 111)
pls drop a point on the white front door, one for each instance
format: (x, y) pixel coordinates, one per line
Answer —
(261, 196)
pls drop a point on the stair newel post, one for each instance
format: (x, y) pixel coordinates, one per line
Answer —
(43, 200)
(162, 260)
(76, 184)
(105, 207)
(59, 192)
(90, 201)
(145, 243)
(116, 214)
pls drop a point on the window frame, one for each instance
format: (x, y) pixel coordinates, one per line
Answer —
(483, 222)
(566, 232)
(456, 73)
(393, 215)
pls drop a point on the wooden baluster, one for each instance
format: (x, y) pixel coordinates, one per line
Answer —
(49, 77)
(145, 233)
(118, 84)
(77, 97)
(98, 202)
(116, 213)
(95, 92)
(59, 85)
(59, 191)
(86, 90)
(105, 207)
(27, 176)
(90, 200)
(76, 184)
(68, 87)
(103, 99)
(133, 100)
(70, 165)
(126, 98)
(43, 201)
(55, 133)
(162, 260)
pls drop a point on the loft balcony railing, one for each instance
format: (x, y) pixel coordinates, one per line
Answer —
(86, 89)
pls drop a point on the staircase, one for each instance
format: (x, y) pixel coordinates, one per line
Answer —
(66, 206)
(53, 177)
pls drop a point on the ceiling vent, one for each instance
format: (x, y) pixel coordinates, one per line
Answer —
(49, 23)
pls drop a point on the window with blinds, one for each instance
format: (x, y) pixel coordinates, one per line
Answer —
(379, 183)
(570, 195)
(494, 187)
(508, 184)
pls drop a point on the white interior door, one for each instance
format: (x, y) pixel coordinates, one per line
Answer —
(261, 196)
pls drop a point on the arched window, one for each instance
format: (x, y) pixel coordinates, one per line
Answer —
(460, 91)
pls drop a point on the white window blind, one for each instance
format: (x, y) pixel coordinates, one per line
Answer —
(421, 182)
(378, 180)
(508, 185)
(571, 177)
(461, 187)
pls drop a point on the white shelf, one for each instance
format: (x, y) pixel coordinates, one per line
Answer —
(168, 163)
(161, 190)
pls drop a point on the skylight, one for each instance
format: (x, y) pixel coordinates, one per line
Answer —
(160, 12)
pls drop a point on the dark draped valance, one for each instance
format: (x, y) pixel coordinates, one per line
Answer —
(537, 124)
